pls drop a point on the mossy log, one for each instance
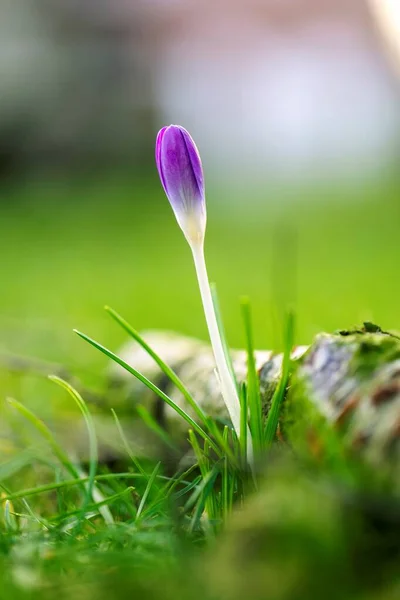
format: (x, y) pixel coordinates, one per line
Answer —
(315, 532)
(350, 381)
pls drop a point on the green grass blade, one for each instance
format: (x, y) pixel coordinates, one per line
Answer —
(243, 422)
(170, 487)
(166, 491)
(152, 387)
(46, 434)
(58, 451)
(198, 453)
(253, 384)
(10, 520)
(170, 373)
(93, 506)
(225, 481)
(7, 495)
(226, 449)
(189, 487)
(51, 487)
(273, 416)
(146, 492)
(98, 496)
(127, 446)
(197, 492)
(202, 494)
(93, 454)
(204, 466)
(33, 516)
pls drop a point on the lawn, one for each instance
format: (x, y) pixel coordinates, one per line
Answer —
(68, 249)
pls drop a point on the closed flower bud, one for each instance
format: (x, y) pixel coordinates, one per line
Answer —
(181, 173)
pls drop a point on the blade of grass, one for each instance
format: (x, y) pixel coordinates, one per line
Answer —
(50, 487)
(215, 431)
(149, 485)
(188, 488)
(170, 373)
(173, 485)
(162, 496)
(60, 493)
(202, 493)
(57, 450)
(93, 454)
(253, 384)
(229, 476)
(6, 495)
(33, 516)
(166, 491)
(95, 506)
(202, 461)
(225, 480)
(197, 492)
(127, 446)
(98, 496)
(152, 387)
(46, 434)
(273, 416)
(212, 500)
(10, 520)
(243, 422)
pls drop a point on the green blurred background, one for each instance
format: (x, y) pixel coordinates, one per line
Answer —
(68, 250)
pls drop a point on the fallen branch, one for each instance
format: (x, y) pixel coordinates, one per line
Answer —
(350, 380)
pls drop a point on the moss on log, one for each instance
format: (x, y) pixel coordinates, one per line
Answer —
(347, 383)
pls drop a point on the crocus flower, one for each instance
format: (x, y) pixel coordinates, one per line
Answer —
(179, 166)
(181, 173)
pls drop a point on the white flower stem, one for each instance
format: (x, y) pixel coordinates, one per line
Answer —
(228, 387)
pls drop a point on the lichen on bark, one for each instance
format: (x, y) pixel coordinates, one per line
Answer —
(344, 398)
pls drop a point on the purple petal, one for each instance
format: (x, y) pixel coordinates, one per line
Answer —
(195, 160)
(159, 138)
(179, 166)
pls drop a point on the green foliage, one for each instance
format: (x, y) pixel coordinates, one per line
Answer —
(215, 529)
(279, 394)
(306, 528)
(252, 395)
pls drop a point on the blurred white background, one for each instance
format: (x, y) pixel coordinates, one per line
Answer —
(272, 90)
